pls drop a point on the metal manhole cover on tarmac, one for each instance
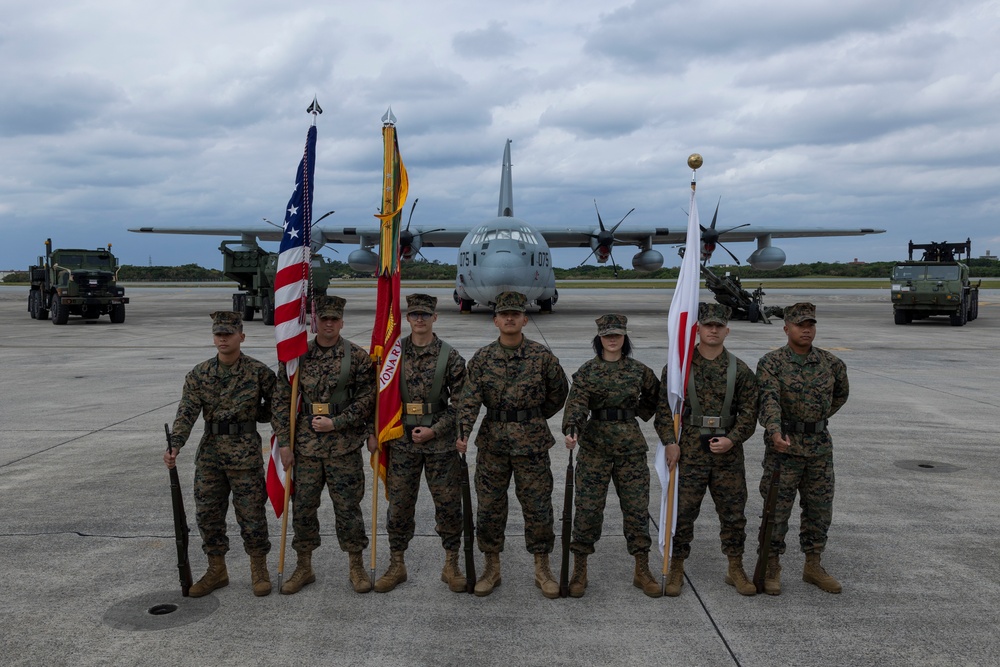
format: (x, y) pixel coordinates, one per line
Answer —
(927, 466)
(159, 610)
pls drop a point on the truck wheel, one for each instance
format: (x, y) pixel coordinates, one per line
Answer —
(248, 311)
(975, 309)
(41, 312)
(60, 313)
(117, 313)
(267, 311)
(900, 317)
(33, 304)
(960, 316)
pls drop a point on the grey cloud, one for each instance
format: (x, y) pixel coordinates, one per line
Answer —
(493, 41)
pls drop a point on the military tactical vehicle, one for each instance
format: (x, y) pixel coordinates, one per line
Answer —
(76, 282)
(729, 291)
(937, 284)
(254, 269)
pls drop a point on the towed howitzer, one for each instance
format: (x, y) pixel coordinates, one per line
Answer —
(767, 525)
(181, 529)
(567, 524)
(469, 527)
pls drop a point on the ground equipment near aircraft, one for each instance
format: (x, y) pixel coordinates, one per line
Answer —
(937, 284)
(253, 268)
(745, 305)
(76, 282)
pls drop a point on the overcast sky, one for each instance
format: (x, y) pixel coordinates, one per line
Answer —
(116, 114)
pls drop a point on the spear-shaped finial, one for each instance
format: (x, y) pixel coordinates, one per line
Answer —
(315, 109)
(389, 118)
(695, 162)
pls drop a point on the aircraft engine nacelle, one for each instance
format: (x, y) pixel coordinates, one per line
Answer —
(647, 260)
(363, 260)
(767, 259)
(316, 244)
(407, 251)
(601, 252)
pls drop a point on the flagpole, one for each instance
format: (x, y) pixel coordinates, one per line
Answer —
(293, 418)
(378, 457)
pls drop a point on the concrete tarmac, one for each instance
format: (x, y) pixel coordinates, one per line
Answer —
(86, 533)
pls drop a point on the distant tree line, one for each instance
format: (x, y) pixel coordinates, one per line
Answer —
(436, 270)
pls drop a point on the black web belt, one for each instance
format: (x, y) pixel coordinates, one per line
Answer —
(804, 427)
(230, 428)
(512, 415)
(612, 415)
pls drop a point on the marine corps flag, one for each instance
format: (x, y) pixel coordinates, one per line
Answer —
(682, 325)
(385, 347)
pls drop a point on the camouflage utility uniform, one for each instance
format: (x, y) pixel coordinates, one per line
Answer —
(436, 457)
(724, 475)
(603, 403)
(520, 388)
(332, 458)
(800, 393)
(229, 458)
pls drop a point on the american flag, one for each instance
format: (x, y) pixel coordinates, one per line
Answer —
(291, 290)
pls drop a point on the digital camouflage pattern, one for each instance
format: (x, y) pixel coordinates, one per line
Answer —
(611, 451)
(333, 458)
(437, 457)
(714, 313)
(226, 322)
(330, 306)
(722, 474)
(443, 479)
(319, 371)
(799, 388)
(227, 464)
(800, 312)
(526, 377)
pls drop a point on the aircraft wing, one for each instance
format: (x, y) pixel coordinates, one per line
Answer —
(366, 236)
(568, 237)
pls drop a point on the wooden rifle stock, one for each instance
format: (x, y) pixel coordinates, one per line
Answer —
(181, 529)
(567, 525)
(470, 529)
(767, 526)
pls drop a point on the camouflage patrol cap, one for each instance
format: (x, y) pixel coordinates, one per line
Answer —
(511, 301)
(714, 313)
(226, 322)
(421, 303)
(331, 307)
(610, 324)
(800, 312)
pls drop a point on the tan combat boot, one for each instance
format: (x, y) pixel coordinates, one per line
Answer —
(396, 574)
(451, 575)
(543, 577)
(491, 575)
(772, 577)
(675, 577)
(578, 582)
(643, 578)
(259, 575)
(813, 573)
(215, 577)
(302, 576)
(359, 576)
(737, 577)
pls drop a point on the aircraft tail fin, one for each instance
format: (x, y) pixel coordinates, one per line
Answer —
(506, 208)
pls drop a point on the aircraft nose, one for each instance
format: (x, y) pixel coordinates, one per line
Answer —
(502, 260)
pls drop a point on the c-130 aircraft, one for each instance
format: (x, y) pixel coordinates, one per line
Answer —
(507, 253)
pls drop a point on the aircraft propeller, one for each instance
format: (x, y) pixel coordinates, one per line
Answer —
(606, 238)
(406, 237)
(710, 237)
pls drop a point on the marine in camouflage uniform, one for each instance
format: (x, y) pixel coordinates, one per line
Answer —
(427, 444)
(801, 387)
(233, 392)
(711, 446)
(330, 433)
(521, 384)
(607, 395)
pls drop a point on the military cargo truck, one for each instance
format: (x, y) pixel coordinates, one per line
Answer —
(937, 284)
(76, 282)
(254, 269)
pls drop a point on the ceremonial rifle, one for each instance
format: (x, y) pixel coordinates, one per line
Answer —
(181, 529)
(470, 529)
(567, 524)
(767, 525)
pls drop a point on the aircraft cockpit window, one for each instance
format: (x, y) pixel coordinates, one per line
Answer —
(943, 272)
(527, 236)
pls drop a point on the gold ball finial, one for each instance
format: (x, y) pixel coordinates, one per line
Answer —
(695, 161)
